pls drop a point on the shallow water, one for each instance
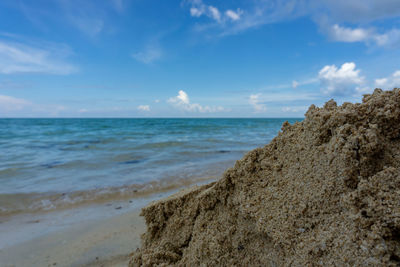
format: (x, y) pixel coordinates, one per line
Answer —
(51, 163)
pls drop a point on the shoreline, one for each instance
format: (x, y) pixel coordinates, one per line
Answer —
(97, 234)
(36, 203)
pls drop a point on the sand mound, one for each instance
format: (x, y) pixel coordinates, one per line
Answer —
(324, 192)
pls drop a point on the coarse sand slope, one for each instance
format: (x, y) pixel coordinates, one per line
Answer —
(324, 192)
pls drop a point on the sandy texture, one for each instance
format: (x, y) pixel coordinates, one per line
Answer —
(103, 242)
(324, 192)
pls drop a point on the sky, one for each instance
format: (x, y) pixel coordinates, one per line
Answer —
(193, 58)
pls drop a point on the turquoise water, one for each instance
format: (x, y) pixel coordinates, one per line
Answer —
(47, 163)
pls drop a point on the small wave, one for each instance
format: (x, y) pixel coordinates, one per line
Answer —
(11, 204)
(131, 161)
(162, 145)
(52, 164)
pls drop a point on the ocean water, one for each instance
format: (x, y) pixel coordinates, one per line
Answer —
(47, 164)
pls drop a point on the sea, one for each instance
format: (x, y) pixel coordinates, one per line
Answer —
(50, 164)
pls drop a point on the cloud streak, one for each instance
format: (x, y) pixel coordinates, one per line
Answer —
(90, 17)
(17, 57)
(149, 55)
(370, 36)
(329, 15)
(9, 103)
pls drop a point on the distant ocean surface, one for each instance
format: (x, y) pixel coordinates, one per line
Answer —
(47, 164)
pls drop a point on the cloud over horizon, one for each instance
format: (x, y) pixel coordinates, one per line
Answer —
(389, 82)
(254, 101)
(182, 102)
(9, 103)
(345, 80)
(143, 108)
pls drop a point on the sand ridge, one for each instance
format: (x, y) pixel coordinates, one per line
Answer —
(324, 192)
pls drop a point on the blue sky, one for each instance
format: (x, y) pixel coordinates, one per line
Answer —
(193, 58)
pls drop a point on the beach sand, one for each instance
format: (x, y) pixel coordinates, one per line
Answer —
(324, 192)
(95, 242)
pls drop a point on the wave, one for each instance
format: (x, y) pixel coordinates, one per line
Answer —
(12, 204)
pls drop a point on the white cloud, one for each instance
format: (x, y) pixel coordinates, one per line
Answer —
(389, 39)
(183, 97)
(182, 102)
(295, 84)
(254, 101)
(393, 81)
(342, 81)
(149, 55)
(381, 83)
(214, 13)
(9, 103)
(157, 101)
(198, 9)
(143, 107)
(358, 12)
(16, 57)
(330, 15)
(344, 34)
(234, 15)
(196, 12)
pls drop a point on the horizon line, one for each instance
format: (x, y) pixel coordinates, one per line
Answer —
(152, 117)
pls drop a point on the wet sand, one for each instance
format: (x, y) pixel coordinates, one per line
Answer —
(97, 242)
(99, 234)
